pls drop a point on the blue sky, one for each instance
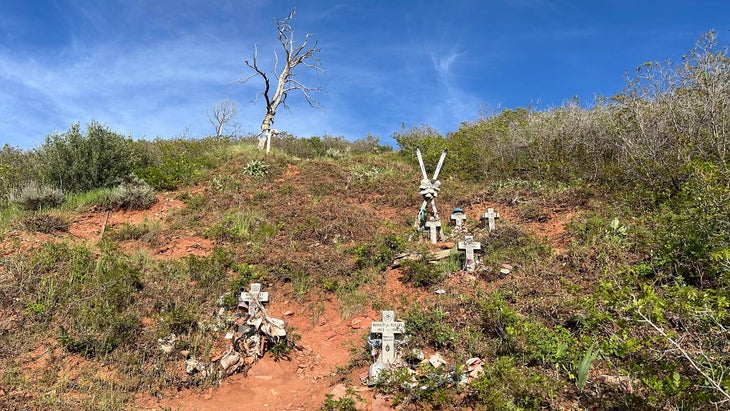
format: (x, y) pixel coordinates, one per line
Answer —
(154, 68)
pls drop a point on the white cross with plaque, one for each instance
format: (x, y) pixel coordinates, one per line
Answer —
(254, 298)
(388, 328)
(458, 217)
(434, 229)
(469, 245)
(490, 216)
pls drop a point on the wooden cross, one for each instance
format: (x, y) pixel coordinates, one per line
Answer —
(490, 216)
(458, 217)
(388, 328)
(469, 245)
(254, 298)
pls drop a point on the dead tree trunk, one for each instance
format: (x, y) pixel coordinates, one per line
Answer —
(304, 54)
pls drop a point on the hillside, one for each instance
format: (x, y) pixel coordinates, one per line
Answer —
(605, 284)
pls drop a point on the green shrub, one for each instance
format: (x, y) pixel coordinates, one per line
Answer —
(34, 196)
(78, 162)
(430, 326)
(420, 273)
(133, 194)
(379, 253)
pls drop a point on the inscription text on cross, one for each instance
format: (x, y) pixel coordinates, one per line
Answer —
(388, 328)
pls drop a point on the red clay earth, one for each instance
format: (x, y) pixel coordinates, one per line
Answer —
(302, 382)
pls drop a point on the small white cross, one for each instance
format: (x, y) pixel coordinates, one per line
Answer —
(434, 229)
(255, 294)
(458, 217)
(469, 245)
(490, 216)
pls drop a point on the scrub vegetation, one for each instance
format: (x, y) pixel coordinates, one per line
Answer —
(627, 310)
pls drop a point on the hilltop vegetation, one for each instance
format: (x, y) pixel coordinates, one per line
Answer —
(627, 309)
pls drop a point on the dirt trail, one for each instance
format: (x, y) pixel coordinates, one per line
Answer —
(300, 383)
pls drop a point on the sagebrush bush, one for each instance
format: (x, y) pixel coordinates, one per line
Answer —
(134, 194)
(34, 196)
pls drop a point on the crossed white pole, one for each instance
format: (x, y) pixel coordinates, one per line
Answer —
(430, 187)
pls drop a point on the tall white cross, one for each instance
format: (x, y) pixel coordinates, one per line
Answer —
(388, 328)
(469, 245)
(490, 216)
(254, 298)
(434, 229)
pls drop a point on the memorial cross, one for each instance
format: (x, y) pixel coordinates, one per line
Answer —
(388, 328)
(254, 298)
(469, 245)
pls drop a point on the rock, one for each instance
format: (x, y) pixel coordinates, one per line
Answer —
(229, 360)
(437, 361)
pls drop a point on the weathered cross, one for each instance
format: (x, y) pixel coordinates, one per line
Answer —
(469, 245)
(490, 216)
(458, 217)
(388, 328)
(434, 229)
(254, 298)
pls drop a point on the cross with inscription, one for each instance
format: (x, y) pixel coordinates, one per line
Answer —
(458, 217)
(490, 216)
(434, 229)
(254, 298)
(388, 328)
(469, 245)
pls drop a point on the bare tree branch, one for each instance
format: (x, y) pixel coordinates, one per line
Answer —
(222, 115)
(304, 54)
(710, 380)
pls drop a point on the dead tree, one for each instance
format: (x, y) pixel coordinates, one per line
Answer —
(222, 115)
(297, 54)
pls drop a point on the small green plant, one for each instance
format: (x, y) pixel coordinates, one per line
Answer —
(581, 368)
(347, 402)
(145, 230)
(256, 168)
(34, 196)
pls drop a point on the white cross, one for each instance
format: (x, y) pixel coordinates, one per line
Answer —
(490, 216)
(254, 297)
(388, 328)
(434, 229)
(458, 217)
(469, 245)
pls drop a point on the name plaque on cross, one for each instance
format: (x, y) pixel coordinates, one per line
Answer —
(254, 294)
(388, 328)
